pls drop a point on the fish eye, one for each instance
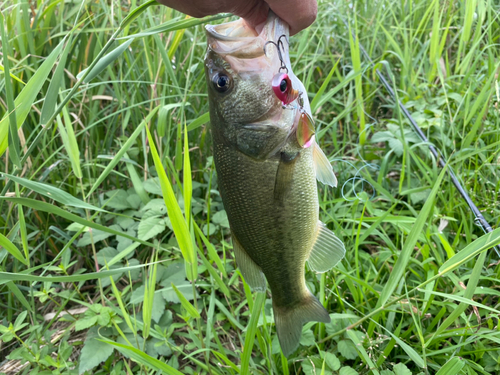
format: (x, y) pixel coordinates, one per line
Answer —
(221, 82)
(283, 85)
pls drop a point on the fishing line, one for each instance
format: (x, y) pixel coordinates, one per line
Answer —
(479, 219)
(357, 176)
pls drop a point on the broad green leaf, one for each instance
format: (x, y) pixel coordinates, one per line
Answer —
(332, 361)
(52, 192)
(150, 227)
(94, 352)
(401, 369)
(347, 349)
(347, 370)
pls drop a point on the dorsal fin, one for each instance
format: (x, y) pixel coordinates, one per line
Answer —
(323, 168)
(327, 251)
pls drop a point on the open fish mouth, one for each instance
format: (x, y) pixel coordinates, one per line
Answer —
(239, 40)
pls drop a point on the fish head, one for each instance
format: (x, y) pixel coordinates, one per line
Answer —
(253, 93)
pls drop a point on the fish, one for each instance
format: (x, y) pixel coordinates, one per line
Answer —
(267, 162)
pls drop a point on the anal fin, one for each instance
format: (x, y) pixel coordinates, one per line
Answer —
(327, 251)
(323, 168)
(249, 269)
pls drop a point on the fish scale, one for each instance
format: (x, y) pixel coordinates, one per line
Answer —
(257, 219)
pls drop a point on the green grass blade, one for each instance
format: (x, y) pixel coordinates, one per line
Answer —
(196, 123)
(149, 293)
(15, 276)
(483, 243)
(104, 62)
(223, 287)
(27, 96)
(409, 245)
(187, 179)
(359, 347)
(452, 367)
(136, 181)
(19, 295)
(69, 141)
(178, 221)
(319, 95)
(13, 138)
(250, 333)
(12, 249)
(118, 296)
(193, 313)
(142, 358)
(54, 193)
(122, 151)
(50, 102)
(469, 293)
(176, 24)
(46, 207)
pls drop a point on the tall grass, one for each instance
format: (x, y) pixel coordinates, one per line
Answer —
(115, 254)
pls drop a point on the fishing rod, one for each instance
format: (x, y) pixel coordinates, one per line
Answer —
(479, 218)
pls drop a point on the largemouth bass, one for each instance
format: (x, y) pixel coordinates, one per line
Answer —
(267, 163)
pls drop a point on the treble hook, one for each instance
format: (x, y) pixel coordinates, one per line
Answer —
(279, 46)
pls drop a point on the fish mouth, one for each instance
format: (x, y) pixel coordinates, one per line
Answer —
(249, 51)
(239, 40)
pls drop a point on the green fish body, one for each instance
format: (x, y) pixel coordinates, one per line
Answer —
(267, 166)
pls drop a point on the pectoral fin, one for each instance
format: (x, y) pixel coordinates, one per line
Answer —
(249, 269)
(323, 168)
(327, 251)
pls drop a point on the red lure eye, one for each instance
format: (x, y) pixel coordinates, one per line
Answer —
(282, 87)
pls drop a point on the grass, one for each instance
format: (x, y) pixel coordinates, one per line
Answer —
(115, 254)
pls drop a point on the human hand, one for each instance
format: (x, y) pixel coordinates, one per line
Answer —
(299, 14)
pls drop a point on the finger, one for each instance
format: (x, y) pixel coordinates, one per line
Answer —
(299, 14)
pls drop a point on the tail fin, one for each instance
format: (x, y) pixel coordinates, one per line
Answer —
(289, 321)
